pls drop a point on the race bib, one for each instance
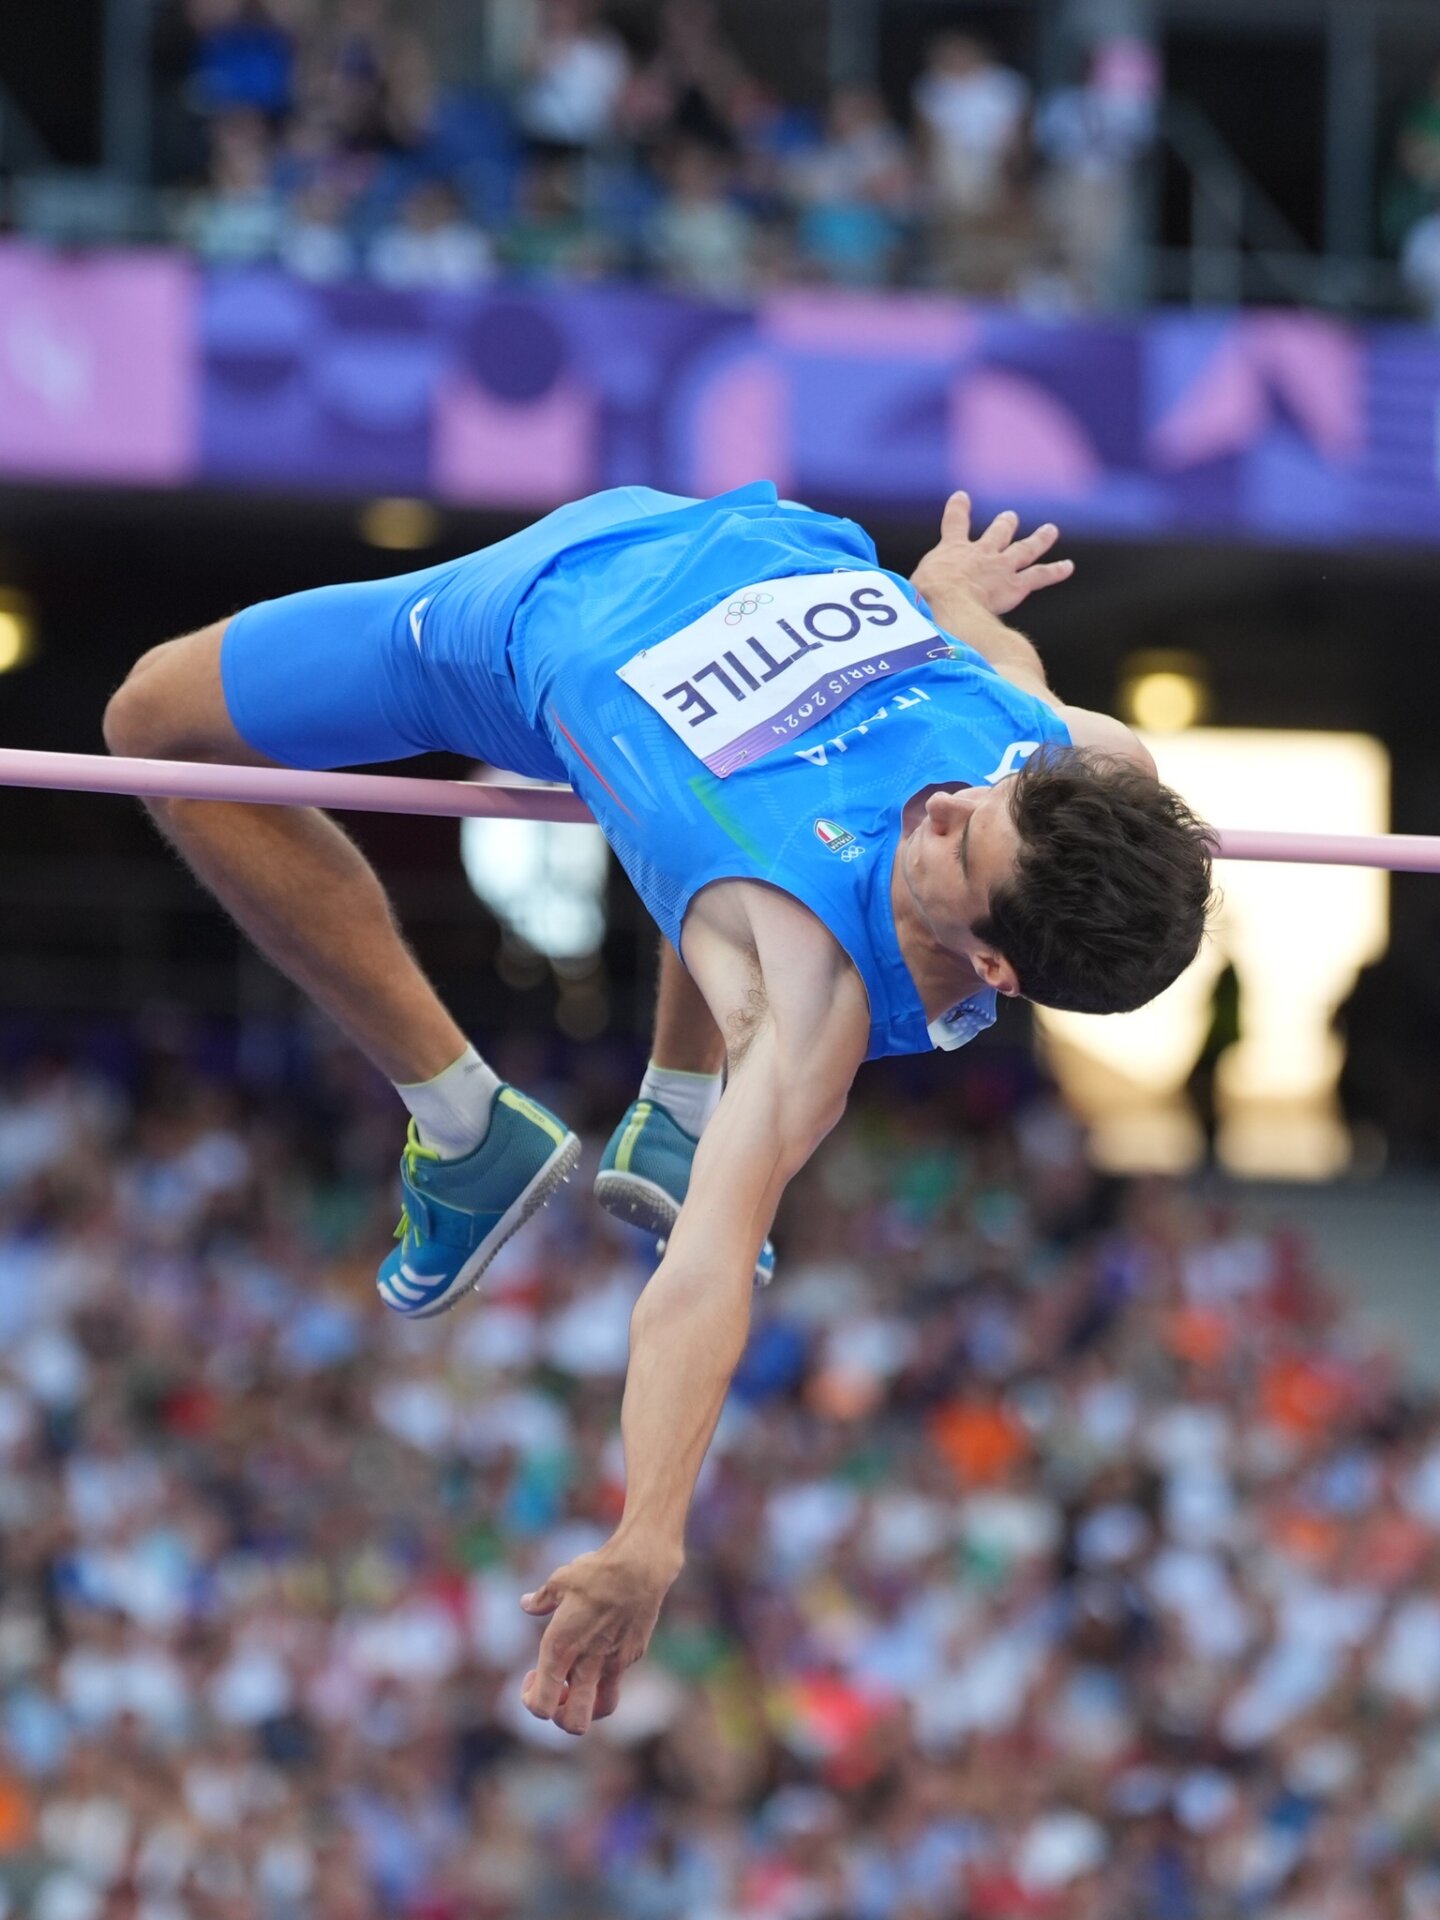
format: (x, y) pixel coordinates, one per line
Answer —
(776, 659)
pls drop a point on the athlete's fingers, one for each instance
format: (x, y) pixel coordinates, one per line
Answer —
(607, 1694)
(1033, 579)
(1024, 553)
(1000, 532)
(578, 1707)
(527, 1689)
(955, 522)
(544, 1688)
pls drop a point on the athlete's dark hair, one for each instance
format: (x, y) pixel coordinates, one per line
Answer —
(1108, 901)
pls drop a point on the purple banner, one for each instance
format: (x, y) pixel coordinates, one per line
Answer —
(97, 366)
(1254, 425)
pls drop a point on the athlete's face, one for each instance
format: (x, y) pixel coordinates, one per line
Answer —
(962, 848)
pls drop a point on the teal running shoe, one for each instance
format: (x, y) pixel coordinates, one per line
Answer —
(645, 1174)
(459, 1213)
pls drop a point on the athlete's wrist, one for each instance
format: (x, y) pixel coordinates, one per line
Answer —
(654, 1552)
(955, 594)
(947, 594)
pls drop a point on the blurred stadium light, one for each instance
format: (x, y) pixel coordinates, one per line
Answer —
(1164, 691)
(545, 883)
(1297, 938)
(399, 525)
(17, 631)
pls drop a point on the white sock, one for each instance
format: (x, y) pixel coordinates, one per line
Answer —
(688, 1098)
(452, 1111)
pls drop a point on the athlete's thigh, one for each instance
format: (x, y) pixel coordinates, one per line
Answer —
(339, 676)
(333, 677)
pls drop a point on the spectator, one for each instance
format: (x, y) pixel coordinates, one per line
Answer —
(432, 244)
(856, 192)
(576, 74)
(240, 216)
(370, 84)
(693, 86)
(243, 57)
(364, 121)
(701, 241)
(1420, 266)
(972, 112)
(315, 241)
(552, 234)
(1092, 138)
(1413, 191)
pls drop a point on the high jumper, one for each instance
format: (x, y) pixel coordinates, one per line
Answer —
(852, 801)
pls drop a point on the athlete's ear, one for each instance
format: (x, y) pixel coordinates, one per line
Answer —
(996, 971)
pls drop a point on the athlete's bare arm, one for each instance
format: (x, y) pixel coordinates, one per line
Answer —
(796, 1025)
(969, 584)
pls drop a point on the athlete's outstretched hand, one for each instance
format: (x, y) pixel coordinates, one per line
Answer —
(996, 570)
(603, 1608)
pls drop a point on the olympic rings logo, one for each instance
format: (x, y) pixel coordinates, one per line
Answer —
(746, 607)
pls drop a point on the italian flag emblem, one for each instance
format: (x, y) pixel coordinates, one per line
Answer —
(831, 834)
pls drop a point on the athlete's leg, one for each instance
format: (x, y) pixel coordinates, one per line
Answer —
(686, 1060)
(687, 1039)
(290, 877)
(481, 1157)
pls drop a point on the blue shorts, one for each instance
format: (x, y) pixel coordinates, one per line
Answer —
(347, 675)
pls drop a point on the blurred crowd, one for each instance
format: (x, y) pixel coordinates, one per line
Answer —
(322, 135)
(1062, 1552)
(1411, 211)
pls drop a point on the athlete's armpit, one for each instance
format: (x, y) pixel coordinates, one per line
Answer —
(765, 963)
(747, 1019)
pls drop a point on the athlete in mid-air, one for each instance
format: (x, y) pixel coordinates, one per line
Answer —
(851, 802)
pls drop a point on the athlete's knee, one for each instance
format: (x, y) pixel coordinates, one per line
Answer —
(169, 705)
(139, 720)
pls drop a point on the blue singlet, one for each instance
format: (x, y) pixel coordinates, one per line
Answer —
(514, 654)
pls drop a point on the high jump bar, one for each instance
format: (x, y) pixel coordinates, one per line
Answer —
(469, 799)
